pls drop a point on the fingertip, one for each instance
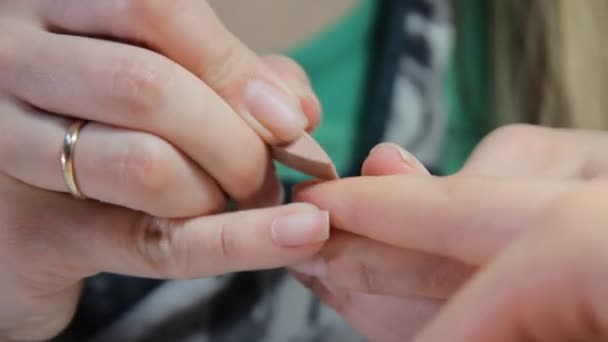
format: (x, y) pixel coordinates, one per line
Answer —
(270, 194)
(293, 79)
(298, 189)
(300, 229)
(274, 111)
(390, 159)
(311, 106)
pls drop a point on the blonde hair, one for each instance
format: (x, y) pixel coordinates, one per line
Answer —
(550, 62)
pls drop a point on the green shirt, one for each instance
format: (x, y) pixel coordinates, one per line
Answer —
(468, 88)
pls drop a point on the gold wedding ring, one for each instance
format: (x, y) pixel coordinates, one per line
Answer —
(67, 158)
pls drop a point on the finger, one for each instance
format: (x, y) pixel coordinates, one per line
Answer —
(390, 159)
(380, 318)
(134, 88)
(211, 245)
(189, 33)
(132, 169)
(465, 218)
(359, 264)
(81, 238)
(296, 79)
(544, 287)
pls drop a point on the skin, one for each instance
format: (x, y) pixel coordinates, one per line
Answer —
(163, 84)
(154, 173)
(512, 248)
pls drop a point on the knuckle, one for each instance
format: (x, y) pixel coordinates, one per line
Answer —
(366, 277)
(159, 244)
(145, 166)
(515, 135)
(285, 65)
(516, 130)
(222, 246)
(228, 61)
(141, 84)
(224, 243)
(353, 273)
(250, 177)
(443, 276)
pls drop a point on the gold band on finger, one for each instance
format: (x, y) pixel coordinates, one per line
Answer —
(67, 158)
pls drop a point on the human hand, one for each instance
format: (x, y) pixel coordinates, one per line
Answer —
(171, 123)
(411, 241)
(181, 114)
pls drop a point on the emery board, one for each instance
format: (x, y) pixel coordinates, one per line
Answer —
(307, 156)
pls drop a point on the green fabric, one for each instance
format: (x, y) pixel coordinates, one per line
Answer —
(468, 87)
(337, 61)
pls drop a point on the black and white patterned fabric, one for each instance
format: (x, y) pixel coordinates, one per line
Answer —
(404, 106)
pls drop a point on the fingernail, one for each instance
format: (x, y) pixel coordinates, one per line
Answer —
(281, 199)
(315, 267)
(309, 102)
(275, 111)
(406, 158)
(301, 229)
(399, 152)
(411, 160)
(312, 107)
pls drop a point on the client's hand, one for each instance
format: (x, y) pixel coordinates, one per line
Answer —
(404, 244)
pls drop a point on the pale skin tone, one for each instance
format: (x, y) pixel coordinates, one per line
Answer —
(162, 102)
(512, 248)
(174, 102)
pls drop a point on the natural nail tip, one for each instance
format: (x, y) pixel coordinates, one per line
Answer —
(326, 224)
(315, 267)
(301, 229)
(275, 111)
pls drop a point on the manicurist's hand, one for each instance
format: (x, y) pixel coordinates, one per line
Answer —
(177, 116)
(181, 111)
(513, 243)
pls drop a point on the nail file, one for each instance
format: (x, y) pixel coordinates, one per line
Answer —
(307, 156)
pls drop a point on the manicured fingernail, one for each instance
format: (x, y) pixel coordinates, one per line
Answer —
(410, 160)
(406, 156)
(315, 267)
(301, 229)
(403, 155)
(275, 111)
